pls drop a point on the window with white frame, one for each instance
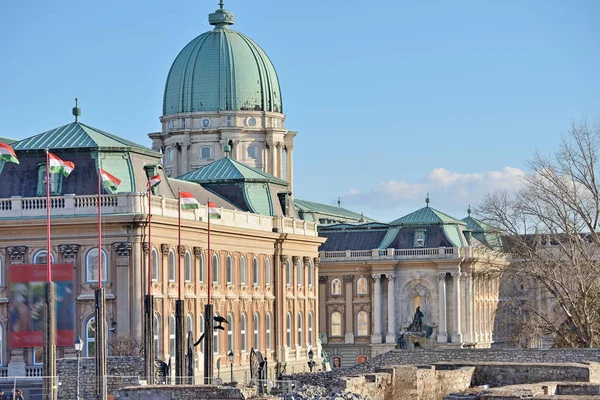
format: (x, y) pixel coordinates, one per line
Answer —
(155, 272)
(189, 325)
(311, 273)
(256, 328)
(230, 332)
(420, 238)
(362, 323)
(205, 152)
(56, 181)
(1, 282)
(172, 336)
(170, 154)
(40, 257)
(243, 329)
(37, 356)
(268, 271)
(336, 324)
(201, 269)
(335, 287)
(202, 322)
(90, 338)
(288, 329)
(242, 270)
(91, 266)
(268, 331)
(188, 266)
(172, 266)
(310, 329)
(229, 270)
(1, 344)
(156, 329)
(255, 271)
(252, 152)
(216, 341)
(215, 269)
(299, 328)
(300, 267)
(288, 272)
(362, 286)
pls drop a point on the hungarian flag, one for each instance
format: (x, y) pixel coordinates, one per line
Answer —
(7, 154)
(59, 166)
(213, 211)
(108, 180)
(188, 201)
(155, 180)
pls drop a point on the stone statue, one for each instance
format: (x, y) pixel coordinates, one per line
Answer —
(417, 323)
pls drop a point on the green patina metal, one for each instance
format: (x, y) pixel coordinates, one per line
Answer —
(310, 207)
(222, 70)
(7, 140)
(427, 216)
(258, 198)
(229, 170)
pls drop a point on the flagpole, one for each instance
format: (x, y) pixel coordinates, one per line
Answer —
(208, 315)
(100, 308)
(149, 300)
(179, 311)
(99, 232)
(49, 255)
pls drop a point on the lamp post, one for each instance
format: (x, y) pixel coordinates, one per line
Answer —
(78, 348)
(311, 363)
(230, 356)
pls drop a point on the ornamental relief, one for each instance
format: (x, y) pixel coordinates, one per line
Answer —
(164, 249)
(335, 307)
(361, 307)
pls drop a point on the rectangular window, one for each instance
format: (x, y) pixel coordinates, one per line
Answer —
(419, 238)
(55, 182)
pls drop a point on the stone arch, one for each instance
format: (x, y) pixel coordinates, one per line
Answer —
(418, 292)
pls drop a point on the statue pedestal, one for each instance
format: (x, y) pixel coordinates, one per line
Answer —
(442, 338)
(418, 340)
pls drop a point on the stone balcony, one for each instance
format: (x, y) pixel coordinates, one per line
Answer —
(18, 207)
(395, 254)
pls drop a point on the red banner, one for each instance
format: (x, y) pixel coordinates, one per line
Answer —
(27, 300)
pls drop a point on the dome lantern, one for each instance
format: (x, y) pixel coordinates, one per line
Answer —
(221, 18)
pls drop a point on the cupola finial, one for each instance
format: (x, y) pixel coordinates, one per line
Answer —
(76, 110)
(339, 202)
(469, 210)
(221, 18)
(427, 200)
(221, 4)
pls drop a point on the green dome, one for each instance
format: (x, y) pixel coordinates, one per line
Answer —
(222, 70)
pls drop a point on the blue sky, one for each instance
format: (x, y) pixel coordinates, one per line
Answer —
(391, 99)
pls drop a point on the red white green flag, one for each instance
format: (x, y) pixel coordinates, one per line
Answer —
(155, 180)
(213, 211)
(7, 154)
(59, 166)
(108, 180)
(188, 201)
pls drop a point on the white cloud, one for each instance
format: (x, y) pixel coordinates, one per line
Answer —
(449, 190)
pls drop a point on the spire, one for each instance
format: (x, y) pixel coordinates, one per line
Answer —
(427, 200)
(76, 110)
(339, 201)
(221, 18)
(469, 210)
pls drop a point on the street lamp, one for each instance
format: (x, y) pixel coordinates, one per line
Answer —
(230, 356)
(311, 363)
(78, 348)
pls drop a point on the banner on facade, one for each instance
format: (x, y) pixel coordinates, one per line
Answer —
(26, 304)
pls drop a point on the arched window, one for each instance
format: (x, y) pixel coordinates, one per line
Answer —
(256, 336)
(310, 329)
(216, 341)
(202, 322)
(189, 326)
(252, 152)
(156, 325)
(288, 329)
(90, 337)
(215, 269)
(336, 287)
(172, 267)
(243, 328)
(91, 266)
(362, 286)
(268, 271)
(1, 281)
(172, 336)
(205, 152)
(299, 328)
(230, 332)
(188, 267)
(243, 270)
(311, 273)
(362, 323)
(268, 331)
(336, 324)
(40, 257)
(155, 273)
(300, 267)
(201, 270)
(1, 344)
(255, 271)
(288, 272)
(229, 270)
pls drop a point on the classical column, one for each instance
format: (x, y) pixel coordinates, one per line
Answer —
(289, 166)
(122, 261)
(272, 158)
(349, 336)
(322, 314)
(391, 309)
(279, 160)
(319, 305)
(470, 335)
(457, 334)
(376, 337)
(442, 336)
(475, 294)
(185, 161)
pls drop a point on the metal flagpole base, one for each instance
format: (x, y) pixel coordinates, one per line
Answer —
(208, 344)
(100, 345)
(179, 339)
(149, 355)
(49, 363)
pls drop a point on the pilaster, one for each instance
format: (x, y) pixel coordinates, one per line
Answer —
(376, 337)
(442, 336)
(457, 334)
(391, 309)
(349, 336)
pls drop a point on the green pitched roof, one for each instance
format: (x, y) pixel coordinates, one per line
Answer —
(227, 169)
(7, 140)
(77, 135)
(476, 225)
(427, 216)
(306, 206)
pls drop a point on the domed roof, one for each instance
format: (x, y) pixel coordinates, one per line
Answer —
(222, 70)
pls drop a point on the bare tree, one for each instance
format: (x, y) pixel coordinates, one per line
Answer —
(552, 285)
(124, 345)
